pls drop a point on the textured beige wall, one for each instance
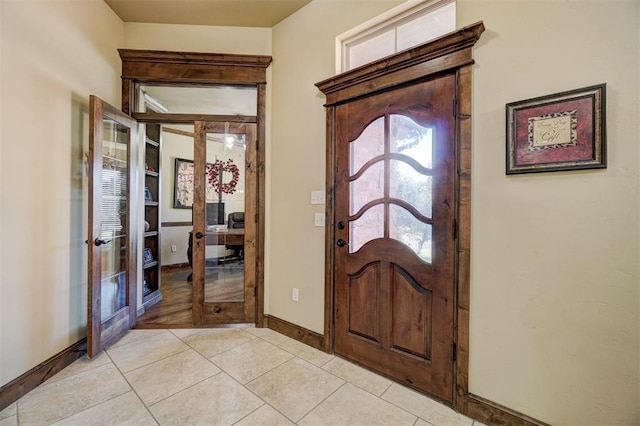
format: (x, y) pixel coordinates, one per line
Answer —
(554, 303)
(303, 54)
(54, 54)
(554, 284)
(198, 38)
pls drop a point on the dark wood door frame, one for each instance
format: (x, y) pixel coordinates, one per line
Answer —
(223, 312)
(451, 53)
(206, 69)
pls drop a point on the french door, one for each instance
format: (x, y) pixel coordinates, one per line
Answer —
(111, 264)
(394, 216)
(224, 223)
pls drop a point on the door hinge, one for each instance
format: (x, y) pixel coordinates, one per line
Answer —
(454, 352)
(455, 107)
(454, 229)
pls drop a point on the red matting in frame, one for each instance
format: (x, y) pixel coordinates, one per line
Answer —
(563, 131)
(582, 150)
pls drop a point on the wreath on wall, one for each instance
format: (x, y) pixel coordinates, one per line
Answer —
(216, 171)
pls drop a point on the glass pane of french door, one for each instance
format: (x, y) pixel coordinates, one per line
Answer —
(224, 213)
(111, 304)
(113, 226)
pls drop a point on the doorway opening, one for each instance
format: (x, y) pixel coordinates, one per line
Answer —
(230, 148)
(210, 112)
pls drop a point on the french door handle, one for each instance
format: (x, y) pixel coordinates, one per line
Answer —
(99, 241)
(341, 243)
(199, 235)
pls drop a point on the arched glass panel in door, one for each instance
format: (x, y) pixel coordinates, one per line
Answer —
(391, 184)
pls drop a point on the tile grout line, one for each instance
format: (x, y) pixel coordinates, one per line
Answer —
(69, 377)
(359, 387)
(249, 390)
(294, 356)
(180, 391)
(152, 362)
(134, 391)
(102, 402)
(228, 349)
(421, 395)
(327, 397)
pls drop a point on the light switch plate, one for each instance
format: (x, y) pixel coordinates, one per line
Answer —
(317, 197)
(319, 219)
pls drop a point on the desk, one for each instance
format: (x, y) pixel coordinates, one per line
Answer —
(224, 236)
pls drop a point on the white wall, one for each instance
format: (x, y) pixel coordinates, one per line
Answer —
(554, 280)
(174, 146)
(54, 54)
(554, 284)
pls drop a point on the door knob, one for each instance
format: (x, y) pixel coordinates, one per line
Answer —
(199, 235)
(99, 241)
(341, 243)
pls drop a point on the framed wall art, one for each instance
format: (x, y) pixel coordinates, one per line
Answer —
(183, 185)
(148, 256)
(563, 131)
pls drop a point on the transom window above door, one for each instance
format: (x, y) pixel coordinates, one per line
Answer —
(412, 23)
(228, 100)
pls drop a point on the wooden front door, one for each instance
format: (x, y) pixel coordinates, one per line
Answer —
(224, 232)
(111, 290)
(394, 216)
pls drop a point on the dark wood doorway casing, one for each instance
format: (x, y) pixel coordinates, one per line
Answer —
(449, 54)
(201, 70)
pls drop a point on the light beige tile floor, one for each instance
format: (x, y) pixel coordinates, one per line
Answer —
(246, 377)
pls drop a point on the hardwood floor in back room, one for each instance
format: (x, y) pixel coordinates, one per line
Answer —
(224, 283)
(175, 306)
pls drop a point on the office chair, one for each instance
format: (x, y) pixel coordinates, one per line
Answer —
(236, 221)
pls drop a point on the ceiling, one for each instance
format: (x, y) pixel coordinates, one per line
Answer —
(234, 13)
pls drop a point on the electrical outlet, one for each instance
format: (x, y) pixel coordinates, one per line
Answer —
(294, 294)
(174, 249)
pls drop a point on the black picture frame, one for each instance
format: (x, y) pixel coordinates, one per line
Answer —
(148, 256)
(146, 286)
